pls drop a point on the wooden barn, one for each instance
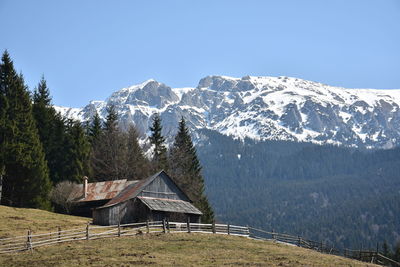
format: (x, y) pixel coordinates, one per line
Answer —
(88, 196)
(153, 199)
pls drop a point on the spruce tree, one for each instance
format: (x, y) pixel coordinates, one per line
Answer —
(3, 111)
(157, 140)
(396, 254)
(385, 250)
(51, 130)
(95, 128)
(108, 159)
(137, 164)
(111, 123)
(185, 168)
(26, 180)
(77, 152)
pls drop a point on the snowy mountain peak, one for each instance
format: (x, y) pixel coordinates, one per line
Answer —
(261, 108)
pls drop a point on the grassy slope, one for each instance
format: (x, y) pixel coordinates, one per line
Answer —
(154, 249)
(16, 221)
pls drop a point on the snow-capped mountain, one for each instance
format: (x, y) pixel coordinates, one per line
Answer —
(261, 108)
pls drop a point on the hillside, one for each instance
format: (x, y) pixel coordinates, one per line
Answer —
(152, 249)
(17, 221)
(345, 197)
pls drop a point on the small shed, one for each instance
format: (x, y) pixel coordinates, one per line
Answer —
(154, 198)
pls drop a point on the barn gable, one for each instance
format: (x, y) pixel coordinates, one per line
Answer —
(162, 186)
(159, 185)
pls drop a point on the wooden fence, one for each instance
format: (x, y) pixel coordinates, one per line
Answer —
(31, 241)
(361, 255)
(90, 232)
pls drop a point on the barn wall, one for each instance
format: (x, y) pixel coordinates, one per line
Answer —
(175, 216)
(134, 211)
(163, 187)
(100, 216)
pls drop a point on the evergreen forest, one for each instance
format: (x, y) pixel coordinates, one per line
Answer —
(342, 196)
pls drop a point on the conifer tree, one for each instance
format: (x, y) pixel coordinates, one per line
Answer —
(51, 129)
(95, 128)
(26, 180)
(385, 249)
(157, 140)
(3, 110)
(396, 254)
(108, 160)
(137, 164)
(77, 152)
(185, 168)
(111, 123)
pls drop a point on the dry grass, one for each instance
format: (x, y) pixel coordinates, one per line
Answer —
(16, 221)
(176, 250)
(151, 249)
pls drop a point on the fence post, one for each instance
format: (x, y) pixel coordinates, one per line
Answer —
(273, 235)
(147, 226)
(29, 241)
(213, 227)
(119, 229)
(299, 241)
(168, 226)
(229, 229)
(163, 225)
(188, 224)
(59, 234)
(87, 231)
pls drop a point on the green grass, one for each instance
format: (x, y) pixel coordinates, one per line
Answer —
(151, 249)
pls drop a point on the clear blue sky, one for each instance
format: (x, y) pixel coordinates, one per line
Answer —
(88, 49)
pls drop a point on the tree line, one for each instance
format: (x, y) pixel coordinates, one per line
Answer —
(40, 149)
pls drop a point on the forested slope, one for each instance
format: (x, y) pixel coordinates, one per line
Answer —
(342, 196)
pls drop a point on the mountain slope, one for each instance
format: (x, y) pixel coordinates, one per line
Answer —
(343, 196)
(261, 108)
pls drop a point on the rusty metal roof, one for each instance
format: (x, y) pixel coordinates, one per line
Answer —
(131, 191)
(101, 190)
(169, 205)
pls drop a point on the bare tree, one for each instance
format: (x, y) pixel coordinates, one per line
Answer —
(61, 194)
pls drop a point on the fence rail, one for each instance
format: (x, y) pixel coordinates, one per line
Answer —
(361, 255)
(90, 232)
(31, 241)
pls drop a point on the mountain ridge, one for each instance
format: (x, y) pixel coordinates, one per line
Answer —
(261, 108)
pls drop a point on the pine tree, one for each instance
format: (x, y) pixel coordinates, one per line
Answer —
(385, 249)
(95, 128)
(3, 111)
(51, 130)
(185, 168)
(108, 159)
(77, 152)
(26, 180)
(396, 254)
(111, 123)
(157, 140)
(137, 164)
